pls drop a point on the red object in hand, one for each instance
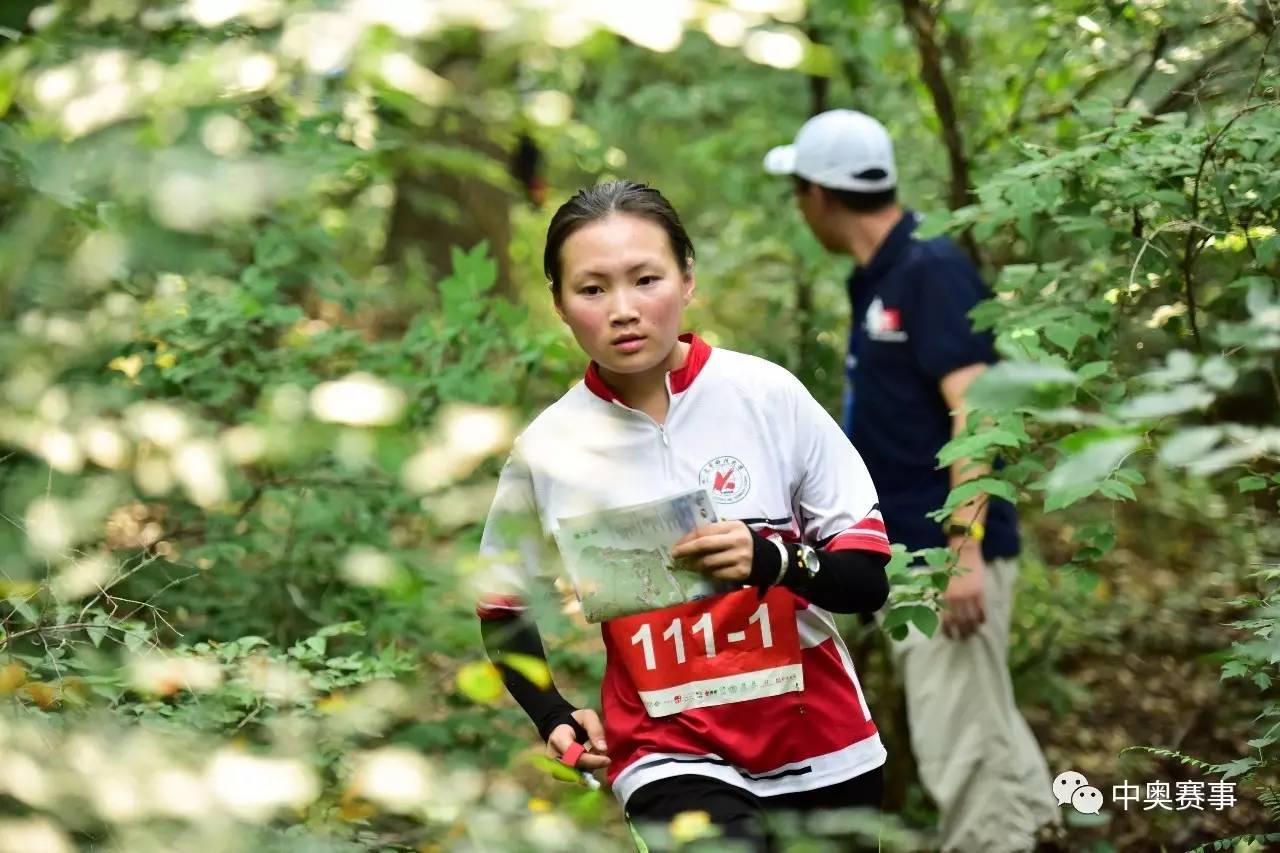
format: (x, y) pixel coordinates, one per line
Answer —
(572, 754)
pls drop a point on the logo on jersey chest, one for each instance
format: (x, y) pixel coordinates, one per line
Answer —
(884, 324)
(726, 478)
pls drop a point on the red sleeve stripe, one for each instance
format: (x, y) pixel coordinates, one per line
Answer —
(499, 607)
(766, 530)
(871, 522)
(857, 540)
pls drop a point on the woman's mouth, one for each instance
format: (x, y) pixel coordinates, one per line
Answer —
(629, 343)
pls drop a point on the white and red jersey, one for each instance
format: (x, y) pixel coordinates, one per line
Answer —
(770, 699)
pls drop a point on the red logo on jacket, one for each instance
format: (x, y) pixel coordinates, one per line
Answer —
(726, 478)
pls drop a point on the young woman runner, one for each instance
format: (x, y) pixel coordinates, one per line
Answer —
(740, 704)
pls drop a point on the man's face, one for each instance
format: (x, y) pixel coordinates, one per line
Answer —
(813, 204)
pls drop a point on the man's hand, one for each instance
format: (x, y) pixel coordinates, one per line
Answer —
(562, 737)
(721, 550)
(966, 594)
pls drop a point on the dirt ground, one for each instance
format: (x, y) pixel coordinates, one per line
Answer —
(1131, 659)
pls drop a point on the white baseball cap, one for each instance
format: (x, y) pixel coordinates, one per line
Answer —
(835, 149)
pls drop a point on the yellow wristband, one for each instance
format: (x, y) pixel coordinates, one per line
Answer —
(973, 530)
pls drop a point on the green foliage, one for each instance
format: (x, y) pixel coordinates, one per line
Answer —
(255, 385)
(1255, 660)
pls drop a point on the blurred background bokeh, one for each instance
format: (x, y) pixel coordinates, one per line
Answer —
(272, 310)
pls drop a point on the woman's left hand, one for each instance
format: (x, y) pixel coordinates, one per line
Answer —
(721, 550)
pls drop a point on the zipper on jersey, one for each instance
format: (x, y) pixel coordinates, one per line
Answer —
(661, 428)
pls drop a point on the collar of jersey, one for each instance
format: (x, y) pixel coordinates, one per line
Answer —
(895, 243)
(679, 379)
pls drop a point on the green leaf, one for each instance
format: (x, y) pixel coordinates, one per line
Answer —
(1238, 767)
(1013, 384)
(925, 619)
(1160, 404)
(972, 488)
(533, 668)
(276, 249)
(1081, 473)
(555, 769)
(1079, 440)
(1251, 483)
(1095, 540)
(1233, 669)
(1187, 445)
(342, 629)
(1131, 476)
(23, 608)
(965, 446)
(1086, 582)
(1064, 335)
(896, 621)
(1117, 491)
(1180, 366)
(480, 682)
(1268, 250)
(1093, 370)
(937, 557)
(1219, 373)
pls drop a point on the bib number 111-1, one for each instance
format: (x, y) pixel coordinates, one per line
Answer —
(730, 648)
(703, 626)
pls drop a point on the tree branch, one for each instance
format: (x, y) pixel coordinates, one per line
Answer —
(1157, 51)
(818, 89)
(1020, 102)
(1186, 89)
(1099, 77)
(923, 21)
(1191, 246)
(1086, 89)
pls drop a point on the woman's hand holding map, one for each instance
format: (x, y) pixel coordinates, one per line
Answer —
(721, 550)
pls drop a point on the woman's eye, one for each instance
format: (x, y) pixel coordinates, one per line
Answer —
(591, 290)
(648, 279)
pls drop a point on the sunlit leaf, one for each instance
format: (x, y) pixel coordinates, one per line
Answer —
(480, 682)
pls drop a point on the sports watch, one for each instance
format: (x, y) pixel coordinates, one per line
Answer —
(807, 561)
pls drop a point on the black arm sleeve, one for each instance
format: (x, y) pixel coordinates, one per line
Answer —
(545, 706)
(848, 582)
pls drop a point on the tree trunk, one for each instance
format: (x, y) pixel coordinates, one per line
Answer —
(438, 208)
(923, 22)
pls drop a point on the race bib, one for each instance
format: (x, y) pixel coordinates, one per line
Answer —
(729, 648)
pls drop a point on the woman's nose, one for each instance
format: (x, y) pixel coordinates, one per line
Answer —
(622, 307)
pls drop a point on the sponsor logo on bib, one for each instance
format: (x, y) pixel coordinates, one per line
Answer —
(726, 478)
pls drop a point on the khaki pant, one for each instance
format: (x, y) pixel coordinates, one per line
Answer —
(977, 756)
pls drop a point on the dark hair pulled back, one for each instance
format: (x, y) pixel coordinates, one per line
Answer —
(595, 203)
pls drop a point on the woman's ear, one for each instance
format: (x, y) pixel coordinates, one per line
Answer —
(688, 285)
(559, 306)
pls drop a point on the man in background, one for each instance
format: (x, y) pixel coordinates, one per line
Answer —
(912, 356)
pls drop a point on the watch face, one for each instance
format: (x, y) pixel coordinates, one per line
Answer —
(811, 563)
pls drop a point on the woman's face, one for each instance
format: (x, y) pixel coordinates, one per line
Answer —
(622, 292)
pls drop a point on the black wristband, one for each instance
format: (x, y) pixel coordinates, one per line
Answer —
(849, 582)
(766, 562)
(557, 717)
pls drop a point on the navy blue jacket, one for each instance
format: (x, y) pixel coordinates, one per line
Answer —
(910, 329)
